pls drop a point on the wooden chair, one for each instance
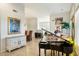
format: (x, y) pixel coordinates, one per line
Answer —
(45, 46)
(28, 35)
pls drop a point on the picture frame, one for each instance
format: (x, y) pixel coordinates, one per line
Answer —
(13, 25)
(59, 20)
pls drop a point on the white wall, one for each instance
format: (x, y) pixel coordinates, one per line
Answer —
(77, 27)
(31, 23)
(65, 16)
(6, 10)
(30, 12)
(77, 31)
(73, 9)
(41, 17)
(74, 12)
(31, 18)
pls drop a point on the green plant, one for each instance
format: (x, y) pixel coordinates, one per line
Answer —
(65, 25)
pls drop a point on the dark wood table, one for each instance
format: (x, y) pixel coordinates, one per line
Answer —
(59, 46)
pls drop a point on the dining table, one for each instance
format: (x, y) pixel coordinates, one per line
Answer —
(55, 44)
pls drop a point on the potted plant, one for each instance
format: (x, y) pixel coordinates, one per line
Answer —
(65, 27)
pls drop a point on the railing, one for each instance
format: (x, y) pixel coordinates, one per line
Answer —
(55, 35)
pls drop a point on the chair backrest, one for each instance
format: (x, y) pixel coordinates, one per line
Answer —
(25, 32)
(30, 33)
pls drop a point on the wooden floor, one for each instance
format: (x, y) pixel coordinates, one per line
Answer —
(31, 49)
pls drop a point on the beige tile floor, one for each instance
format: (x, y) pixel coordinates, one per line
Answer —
(31, 49)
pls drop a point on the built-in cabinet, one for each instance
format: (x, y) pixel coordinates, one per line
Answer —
(13, 42)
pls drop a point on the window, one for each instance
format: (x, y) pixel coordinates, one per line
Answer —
(45, 25)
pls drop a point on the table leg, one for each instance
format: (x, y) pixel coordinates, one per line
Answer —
(51, 52)
(62, 54)
(58, 53)
(45, 52)
(39, 52)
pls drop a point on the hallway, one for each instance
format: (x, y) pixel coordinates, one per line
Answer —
(28, 17)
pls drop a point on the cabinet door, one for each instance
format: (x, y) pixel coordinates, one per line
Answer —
(9, 44)
(21, 41)
(14, 43)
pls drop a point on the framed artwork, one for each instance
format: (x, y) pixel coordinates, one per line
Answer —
(59, 20)
(13, 25)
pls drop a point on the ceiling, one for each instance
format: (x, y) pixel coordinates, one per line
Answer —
(47, 8)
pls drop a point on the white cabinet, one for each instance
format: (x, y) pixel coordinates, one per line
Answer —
(15, 41)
